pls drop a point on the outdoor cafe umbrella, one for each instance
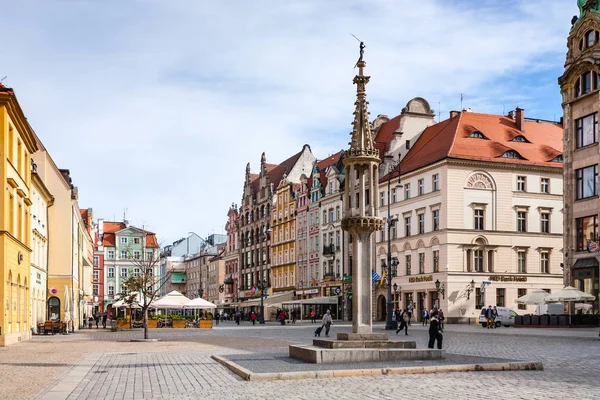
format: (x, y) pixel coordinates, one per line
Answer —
(538, 296)
(199, 302)
(569, 293)
(173, 300)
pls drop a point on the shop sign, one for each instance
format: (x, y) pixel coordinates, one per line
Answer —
(592, 247)
(347, 279)
(311, 291)
(508, 278)
(415, 279)
(299, 292)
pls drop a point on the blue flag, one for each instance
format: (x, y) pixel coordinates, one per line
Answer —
(374, 276)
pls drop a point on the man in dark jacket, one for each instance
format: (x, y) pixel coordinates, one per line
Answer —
(434, 331)
(402, 317)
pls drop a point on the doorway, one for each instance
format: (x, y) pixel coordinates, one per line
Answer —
(381, 308)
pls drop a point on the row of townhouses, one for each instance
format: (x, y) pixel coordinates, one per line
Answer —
(46, 247)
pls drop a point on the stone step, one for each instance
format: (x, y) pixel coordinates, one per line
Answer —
(319, 355)
(362, 344)
(362, 336)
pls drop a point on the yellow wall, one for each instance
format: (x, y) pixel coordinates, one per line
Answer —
(286, 223)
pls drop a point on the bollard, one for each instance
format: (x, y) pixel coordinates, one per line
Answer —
(113, 325)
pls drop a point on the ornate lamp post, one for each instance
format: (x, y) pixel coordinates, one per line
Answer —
(265, 236)
(470, 288)
(392, 167)
(397, 292)
(440, 288)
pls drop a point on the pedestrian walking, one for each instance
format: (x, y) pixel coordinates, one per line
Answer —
(293, 316)
(425, 317)
(441, 318)
(434, 331)
(238, 315)
(489, 315)
(327, 321)
(313, 317)
(90, 322)
(494, 317)
(409, 311)
(282, 317)
(104, 318)
(253, 317)
(403, 317)
(97, 320)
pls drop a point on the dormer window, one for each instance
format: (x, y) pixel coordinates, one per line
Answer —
(477, 135)
(520, 139)
(558, 158)
(512, 154)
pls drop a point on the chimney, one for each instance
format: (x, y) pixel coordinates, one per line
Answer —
(520, 119)
(454, 114)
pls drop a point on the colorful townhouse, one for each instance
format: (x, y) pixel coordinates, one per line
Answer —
(231, 256)
(17, 144)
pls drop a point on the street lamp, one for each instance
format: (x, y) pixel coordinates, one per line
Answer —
(392, 167)
(397, 292)
(440, 288)
(470, 288)
(261, 280)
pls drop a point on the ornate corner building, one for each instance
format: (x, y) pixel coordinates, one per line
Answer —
(580, 90)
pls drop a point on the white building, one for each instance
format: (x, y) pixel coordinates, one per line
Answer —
(481, 201)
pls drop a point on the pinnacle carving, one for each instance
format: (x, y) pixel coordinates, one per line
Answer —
(362, 138)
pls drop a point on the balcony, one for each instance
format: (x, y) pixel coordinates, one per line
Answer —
(329, 276)
(330, 249)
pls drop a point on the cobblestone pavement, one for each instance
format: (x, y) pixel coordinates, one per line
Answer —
(107, 366)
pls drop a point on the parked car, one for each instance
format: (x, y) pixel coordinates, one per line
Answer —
(505, 317)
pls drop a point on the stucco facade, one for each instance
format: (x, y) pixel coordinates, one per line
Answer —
(283, 238)
(580, 90)
(231, 256)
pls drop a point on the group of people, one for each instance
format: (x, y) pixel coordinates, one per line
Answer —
(491, 313)
(434, 318)
(96, 318)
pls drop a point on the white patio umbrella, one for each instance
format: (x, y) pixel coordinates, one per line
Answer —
(67, 308)
(538, 296)
(199, 302)
(173, 300)
(569, 293)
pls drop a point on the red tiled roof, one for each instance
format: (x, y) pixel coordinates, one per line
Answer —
(111, 227)
(276, 171)
(385, 135)
(324, 164)
(451, 139)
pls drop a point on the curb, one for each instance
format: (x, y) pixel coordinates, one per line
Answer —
(248, 375)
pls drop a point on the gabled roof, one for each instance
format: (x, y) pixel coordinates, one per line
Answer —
(276, 171)
(451, 139)
(325, 164)
(385, 135)
(111, 228)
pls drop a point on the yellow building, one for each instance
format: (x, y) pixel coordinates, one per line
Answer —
(283, 238)
(17, 143)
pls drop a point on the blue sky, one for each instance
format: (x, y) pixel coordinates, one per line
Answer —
(157, 106)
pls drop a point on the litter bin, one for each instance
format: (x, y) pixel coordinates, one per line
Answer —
(113, 325)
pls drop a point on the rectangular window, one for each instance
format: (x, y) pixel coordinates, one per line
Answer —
(96, 275)
(123, 272)
(111, 254)
(500, 296)
(123, 289)
(124, 240)
(586, 82)
(123, 254)
(111, 290)
(407, 259)
(435, 182)
(521, 221)
(545, 223)
(407, 191)
(587, 231)
(436, 220)
(421, 224)
(149, 255)
(136, 240)
(381, 199)
(421, 263)
(545, 185)
(521, 293)
(407, 226)
(111, 272)
(521, 184)
(421, 183)
(545, 262)
(521, 262)
(96, 260)
(478, 260)
(586, 129)
(479, 219)
(587, 182)
(95, 290)
(137, 255)
(136, 272)
(394, 195)
(478, 298)
(436, 261)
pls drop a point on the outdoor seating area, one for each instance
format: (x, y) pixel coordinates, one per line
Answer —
(51, 327)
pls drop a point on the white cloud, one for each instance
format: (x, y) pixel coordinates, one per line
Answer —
(157, 106)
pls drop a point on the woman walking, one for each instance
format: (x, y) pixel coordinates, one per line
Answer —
(434, 331)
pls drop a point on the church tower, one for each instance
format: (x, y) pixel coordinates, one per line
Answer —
(360, 204)
(580, 89)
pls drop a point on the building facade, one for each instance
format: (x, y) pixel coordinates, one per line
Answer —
(283, 238)
(580, 87)
(231, 256)
(480, 205)
(17, 141)
(215, 277)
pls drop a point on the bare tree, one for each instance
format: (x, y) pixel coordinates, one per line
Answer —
(142, 287)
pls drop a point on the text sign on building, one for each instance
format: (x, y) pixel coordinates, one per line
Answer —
(415, 279)
(311, 291)
(508, 278)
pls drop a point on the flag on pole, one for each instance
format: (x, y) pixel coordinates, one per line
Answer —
(374, 276)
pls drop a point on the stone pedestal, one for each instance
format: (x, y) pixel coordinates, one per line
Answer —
(356, 347)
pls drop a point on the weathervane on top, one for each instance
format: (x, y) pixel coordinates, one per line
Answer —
(362, 50)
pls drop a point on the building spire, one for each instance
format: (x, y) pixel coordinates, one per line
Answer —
(362, 140)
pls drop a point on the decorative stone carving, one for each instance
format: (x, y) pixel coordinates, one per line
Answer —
(479, 181)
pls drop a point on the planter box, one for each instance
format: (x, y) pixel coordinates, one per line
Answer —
(179, 323)
(152, 323)
(123, 324)
(205, 324)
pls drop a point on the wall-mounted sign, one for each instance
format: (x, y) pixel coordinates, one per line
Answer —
(311, 291)
(299, 292)
(592, 247)
(415, 279)
(508, 278)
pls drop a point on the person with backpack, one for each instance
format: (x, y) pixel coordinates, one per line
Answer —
(425, 316)
(434, 331)
(403, 317)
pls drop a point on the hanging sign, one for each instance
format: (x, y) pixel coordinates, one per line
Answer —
(592, 247)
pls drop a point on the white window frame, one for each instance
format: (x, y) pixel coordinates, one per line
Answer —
(111, 272)
(545, 185)
(521, 183)
(123, 240)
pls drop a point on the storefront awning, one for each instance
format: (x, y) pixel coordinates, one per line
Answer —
(274, 299)
(588, 262)
(315, 300)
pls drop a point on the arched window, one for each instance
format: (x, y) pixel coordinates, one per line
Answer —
(512, 154)
(520, 138)
(54, 308)
(590, 38)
